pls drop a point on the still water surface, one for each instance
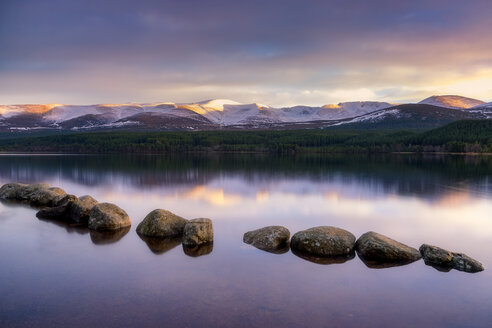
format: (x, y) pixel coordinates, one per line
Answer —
(52, 274)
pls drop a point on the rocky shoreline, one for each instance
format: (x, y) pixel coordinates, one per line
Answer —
(162, 230)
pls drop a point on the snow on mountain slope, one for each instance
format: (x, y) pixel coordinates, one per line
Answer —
(452, 101)
(210, 114)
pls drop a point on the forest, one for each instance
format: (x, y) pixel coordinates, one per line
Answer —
(468, 136)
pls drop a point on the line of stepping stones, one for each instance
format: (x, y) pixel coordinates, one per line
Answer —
(55, 204)
(327, 245)
(161, 230)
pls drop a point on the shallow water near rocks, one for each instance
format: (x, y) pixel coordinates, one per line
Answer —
(53, 274)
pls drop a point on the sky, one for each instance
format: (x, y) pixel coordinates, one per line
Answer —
(274, 52)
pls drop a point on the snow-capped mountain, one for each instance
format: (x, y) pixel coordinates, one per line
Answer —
(223, 113)
(452, 101)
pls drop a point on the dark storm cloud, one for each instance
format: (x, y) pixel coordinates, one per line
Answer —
(266, 49)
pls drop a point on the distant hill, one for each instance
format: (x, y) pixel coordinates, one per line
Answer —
(452, 101)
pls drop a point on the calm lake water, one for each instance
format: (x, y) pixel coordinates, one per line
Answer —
(52, 274)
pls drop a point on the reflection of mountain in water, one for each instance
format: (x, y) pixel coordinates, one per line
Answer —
(430, 176)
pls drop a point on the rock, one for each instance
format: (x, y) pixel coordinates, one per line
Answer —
(199, 250)
(197, 232)
(106, 216)
(27, 192)
(105, 237)
(161, 224)
(374, 247)
(444, 260)
(323, 241)
(161, 245)
(269, 238)
(59, 211)
(11, 191)
(80, 209)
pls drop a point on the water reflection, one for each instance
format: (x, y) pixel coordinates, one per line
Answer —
(199, 250)
(325, 260)
(441, 200)
(378, 264)
(161, 245)
(108, 237)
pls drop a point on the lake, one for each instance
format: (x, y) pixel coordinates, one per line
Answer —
(54, 274)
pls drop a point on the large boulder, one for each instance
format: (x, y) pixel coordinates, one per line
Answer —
(323, 241)
(269, 238)
(444, 260)
(161, 224)
(106, 216)
(373, 247)
(197, 232)
(11, 191)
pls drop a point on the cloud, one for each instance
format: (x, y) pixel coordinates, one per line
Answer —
(256, 51)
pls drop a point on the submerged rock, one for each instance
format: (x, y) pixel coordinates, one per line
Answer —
(444, 260)
(197, 232)
(323, 241)
(106, 216)
(199, 250)
(269, 238)
(377, 249)
(161, 224)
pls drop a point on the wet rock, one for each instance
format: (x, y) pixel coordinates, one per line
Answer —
(11, 191)
(106, 216)
(323, 241)
(161, 245)
(59, 211)
(197, 232)
(161, 224)
(105, 237)
(444, 260)
(199, 250)
(374, 247)
(80, 208)
(269, 238)
(324, 260)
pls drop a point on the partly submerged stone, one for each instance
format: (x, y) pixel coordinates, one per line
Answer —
(161, 224)
(444, 260)
(376, 249)
(11, 191)
(269, 238)
(59, 211)
(80, 209)
(197, 232)
(106, 216)
(324, 241)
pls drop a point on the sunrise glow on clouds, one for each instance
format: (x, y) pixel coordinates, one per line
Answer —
(272, 52)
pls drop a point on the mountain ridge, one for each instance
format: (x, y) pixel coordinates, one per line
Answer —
(224, 113)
